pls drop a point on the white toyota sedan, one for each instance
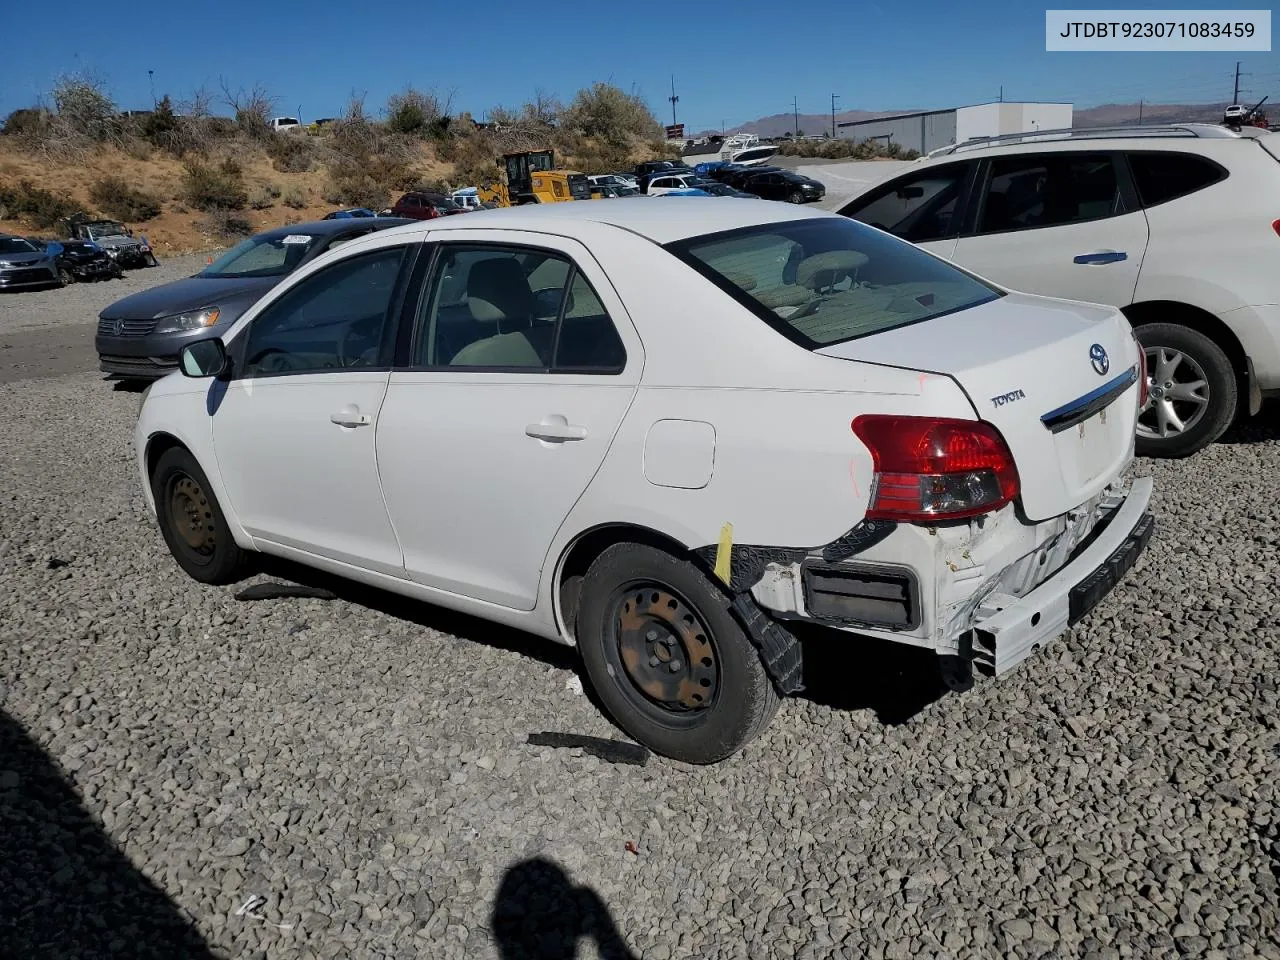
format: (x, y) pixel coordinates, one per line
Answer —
(663, 434)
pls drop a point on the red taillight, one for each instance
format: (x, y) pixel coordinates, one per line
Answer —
(1275, 225)
(933, 468)
(1142, 375)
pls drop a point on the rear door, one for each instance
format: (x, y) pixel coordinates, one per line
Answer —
(1064, 224)
(522, 366)
(925, 207)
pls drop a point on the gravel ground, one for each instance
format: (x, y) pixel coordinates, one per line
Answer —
(363, 763)
(82, 302)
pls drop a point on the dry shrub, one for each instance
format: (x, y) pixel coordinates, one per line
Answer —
(417, 114)
(264, 197)
(226, 225)
(29, 202)
(214, 187)
(605, 112)
(292, 154)
(114, 197)
(252, 109)
(30, 123)
(294, 199)
(845, 150)
(367, 162)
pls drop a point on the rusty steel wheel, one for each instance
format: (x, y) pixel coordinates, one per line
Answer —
(191, 520)
(665, 649)
(192, 515)
(669, 661)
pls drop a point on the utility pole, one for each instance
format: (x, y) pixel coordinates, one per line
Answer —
(1235, 96)
(151, 77)
(674, 100)
(834, 98)
(1002, 93)
(1140, 102)
(795, 109)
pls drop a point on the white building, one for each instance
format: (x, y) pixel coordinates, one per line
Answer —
(939, 128)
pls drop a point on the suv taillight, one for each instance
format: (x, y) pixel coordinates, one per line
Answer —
(934, 468)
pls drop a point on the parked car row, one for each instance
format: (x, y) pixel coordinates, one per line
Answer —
(95, 250)
(666, 177)
(522, 424)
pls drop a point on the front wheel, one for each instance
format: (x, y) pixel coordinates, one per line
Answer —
(1192, 391)
(667, 658)
(65, 277)
(796, 197)
(152, 261)
(192, 522)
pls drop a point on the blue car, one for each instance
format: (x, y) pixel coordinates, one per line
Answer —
(350, 212)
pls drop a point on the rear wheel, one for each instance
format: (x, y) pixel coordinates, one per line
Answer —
(668, 660)
(191, 521)
(1192, 391)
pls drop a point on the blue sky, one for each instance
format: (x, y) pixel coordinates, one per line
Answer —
(732, 62)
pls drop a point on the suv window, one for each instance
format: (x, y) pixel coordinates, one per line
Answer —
(1049, 190)
(1167, 176)
(332, 320)
(918, 208)
(503, 307)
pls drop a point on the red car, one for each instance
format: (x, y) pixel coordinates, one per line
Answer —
(426, 206)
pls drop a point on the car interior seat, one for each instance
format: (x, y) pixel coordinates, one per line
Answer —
(498, 293)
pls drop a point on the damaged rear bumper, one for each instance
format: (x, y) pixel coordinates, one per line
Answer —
(1008, 629)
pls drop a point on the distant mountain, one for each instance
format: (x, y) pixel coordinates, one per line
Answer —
(1105, 115)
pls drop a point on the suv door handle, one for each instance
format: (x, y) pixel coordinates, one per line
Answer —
(1102, 256)
(350, 416)
(555, 429)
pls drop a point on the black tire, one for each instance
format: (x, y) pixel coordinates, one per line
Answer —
(65, 277)
(191, 521)
(1204, 419)
(152, 261)
(796, 197)
(724, 699)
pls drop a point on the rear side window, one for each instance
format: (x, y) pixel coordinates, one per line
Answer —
(824, 281)
(1166, 176)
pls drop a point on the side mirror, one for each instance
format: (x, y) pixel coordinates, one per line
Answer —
(204, 358)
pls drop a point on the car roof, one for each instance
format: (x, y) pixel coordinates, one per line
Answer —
(324, 228)
(660, 222)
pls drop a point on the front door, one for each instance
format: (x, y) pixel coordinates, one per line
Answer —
(294, 430)
(524, 364)
(1059, 225)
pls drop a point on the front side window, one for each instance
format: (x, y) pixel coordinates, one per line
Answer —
(332, 320)
(918, 208)
(493, 307)
(1050, 190)
(824, 281)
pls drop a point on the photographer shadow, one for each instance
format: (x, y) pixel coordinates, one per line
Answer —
(539, 914)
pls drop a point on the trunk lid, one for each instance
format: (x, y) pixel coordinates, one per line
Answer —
(1057, 378)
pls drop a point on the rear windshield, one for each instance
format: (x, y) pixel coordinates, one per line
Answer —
(827, 280)
(15, 245)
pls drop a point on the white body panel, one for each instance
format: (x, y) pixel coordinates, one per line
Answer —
(450, 493)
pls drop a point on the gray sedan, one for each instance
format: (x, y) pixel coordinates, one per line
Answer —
(23, 265)
(140, 336)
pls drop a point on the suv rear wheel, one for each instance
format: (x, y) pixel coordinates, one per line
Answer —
(1192, 391)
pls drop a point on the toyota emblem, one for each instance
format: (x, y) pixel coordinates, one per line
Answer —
(1098, 357)
(118, 328)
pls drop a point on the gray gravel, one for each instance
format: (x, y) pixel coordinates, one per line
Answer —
(362, 763)
(82, 302)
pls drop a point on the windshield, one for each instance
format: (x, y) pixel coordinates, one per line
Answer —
(262, 256)
(828, 280)
(106, 230)
(16, 245)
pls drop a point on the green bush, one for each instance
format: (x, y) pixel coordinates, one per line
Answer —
(214, 187)
(29, 202)
(30, 122)
(117, 199)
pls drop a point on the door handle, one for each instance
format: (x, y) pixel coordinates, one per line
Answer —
(350, 416)
(555, 429)
(1102, 256)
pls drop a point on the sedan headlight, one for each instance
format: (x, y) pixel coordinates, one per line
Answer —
(190, 320)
